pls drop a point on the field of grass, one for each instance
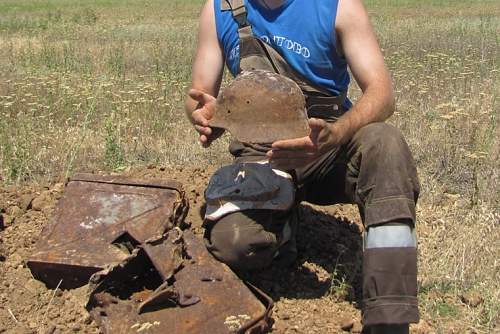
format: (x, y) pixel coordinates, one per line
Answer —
(100, 84)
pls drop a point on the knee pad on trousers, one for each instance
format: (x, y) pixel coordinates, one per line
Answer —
(390, 235)
(390, 274)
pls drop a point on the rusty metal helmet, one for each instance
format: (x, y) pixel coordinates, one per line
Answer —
(262, 107)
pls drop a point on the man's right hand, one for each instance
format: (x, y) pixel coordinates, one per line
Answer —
(204, 111)
(207, 74)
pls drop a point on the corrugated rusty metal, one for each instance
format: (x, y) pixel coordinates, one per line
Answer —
(204, 295)
(96, 217)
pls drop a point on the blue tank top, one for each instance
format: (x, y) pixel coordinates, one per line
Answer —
(302, 31)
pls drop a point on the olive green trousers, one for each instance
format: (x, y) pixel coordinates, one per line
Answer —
(374, 170)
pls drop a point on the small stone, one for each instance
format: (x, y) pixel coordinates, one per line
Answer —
(47, 210)
(34, 286)
(357, 328)
(26, 201)
(22, 328)
(346, 325)
(50, 330)
(15, 211)
(462, 203)
(285, 316)
(87, 319)
(7, 220)
(473, 299)
(14, 260)
(41, 201)
(58, 187)
(421, 328)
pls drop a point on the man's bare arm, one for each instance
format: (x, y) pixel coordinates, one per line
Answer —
(367, 65)
(207, 72)
(376, 104)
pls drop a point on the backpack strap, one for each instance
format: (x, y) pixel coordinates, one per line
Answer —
(238, 9)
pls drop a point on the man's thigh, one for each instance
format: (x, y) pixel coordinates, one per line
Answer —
(374, 170)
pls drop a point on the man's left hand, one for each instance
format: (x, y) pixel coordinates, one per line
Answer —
(295, 153)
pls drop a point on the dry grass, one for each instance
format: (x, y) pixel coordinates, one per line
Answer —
(100, 85)
(97, 87)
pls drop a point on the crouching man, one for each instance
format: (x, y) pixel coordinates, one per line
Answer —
(350, 156)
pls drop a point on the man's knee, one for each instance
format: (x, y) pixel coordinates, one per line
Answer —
(386, 157)
(241, 243)
(387, 138)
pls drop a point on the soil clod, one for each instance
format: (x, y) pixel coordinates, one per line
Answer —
(473, 299)
(347, 325)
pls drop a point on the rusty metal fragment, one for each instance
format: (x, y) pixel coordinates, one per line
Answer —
(203, 296)
(145, 274)
(99, 221)
(166, 253)
(262, 107)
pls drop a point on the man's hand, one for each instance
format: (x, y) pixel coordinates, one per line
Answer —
(295, 153)
(202, 114)
(206, 77)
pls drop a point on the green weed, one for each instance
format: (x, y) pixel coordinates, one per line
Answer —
(113, 154)
(444, 309)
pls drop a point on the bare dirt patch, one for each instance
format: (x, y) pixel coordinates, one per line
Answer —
(317, 293)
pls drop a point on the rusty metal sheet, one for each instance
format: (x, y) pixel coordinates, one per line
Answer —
(262, 107)
(95, 220)
(204, 296)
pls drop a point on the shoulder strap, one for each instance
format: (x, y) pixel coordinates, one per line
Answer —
(237, 7)
(224, 5)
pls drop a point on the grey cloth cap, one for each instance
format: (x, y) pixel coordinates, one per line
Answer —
(243, 186)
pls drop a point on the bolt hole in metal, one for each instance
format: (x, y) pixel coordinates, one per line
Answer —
(211, 279)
